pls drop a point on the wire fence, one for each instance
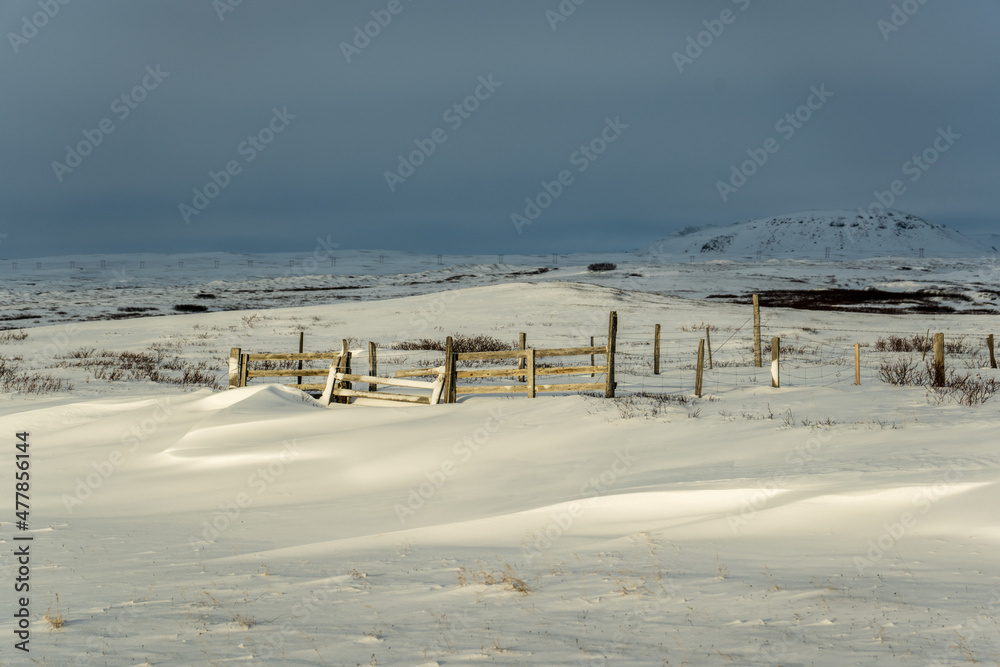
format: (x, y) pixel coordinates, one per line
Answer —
(807, 358)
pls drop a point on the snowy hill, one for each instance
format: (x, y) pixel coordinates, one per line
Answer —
(852, 234)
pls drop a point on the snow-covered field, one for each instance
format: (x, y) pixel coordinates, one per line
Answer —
(821, 523)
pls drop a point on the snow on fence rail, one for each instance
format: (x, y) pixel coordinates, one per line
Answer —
(339, 379)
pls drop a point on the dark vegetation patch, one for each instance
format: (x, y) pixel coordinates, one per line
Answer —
(602, 266)
(136, 309)
(313, 289)
(204, 296)
(460, 343)
(917, 343)
(868, 300)
(190, 308)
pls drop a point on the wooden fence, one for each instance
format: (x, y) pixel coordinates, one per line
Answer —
(445, 388)
(527, 370)
(339, 378)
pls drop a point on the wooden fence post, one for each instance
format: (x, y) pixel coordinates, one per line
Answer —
(939, 360)
(656, 350)
(234, 367)
(775, 362)
(302, 336)
(347, 369)
(708, 344)
(756, 332)
(372, 364)
(857, 363)
(449, 372)
(244, 368)
(701, 367)
(522, 340)
(592, 356)
(993, 358)
(609, 389)
(343, 366)
(530, 354)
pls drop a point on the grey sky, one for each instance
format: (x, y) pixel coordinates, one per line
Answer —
(324, 174)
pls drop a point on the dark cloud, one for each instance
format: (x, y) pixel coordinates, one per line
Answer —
(324, 173)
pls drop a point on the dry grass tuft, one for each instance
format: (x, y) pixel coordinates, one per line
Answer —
(507, 578)
(56, 619)
(13, 336)
(137, 366)
(14, 379)
(246, 621)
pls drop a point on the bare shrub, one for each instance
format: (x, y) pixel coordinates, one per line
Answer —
(969, 389)
(699, 327)
(903, 372)
(14, 379)
(901, 344)
(917, 343)
(13, 336)
(273, 365)
(460, 344)
(787, 349)
(137, 366)
(965, 388)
